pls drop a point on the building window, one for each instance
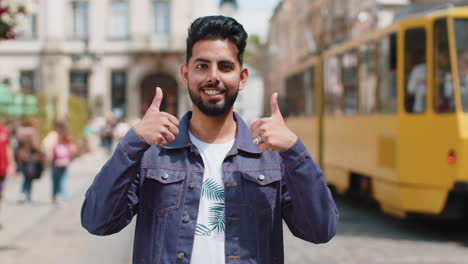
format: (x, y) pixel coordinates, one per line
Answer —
(30, 29)
(80, 19)
(161, 17)
(79, 83)
(118, 82)
(27, 83)
(119, 22)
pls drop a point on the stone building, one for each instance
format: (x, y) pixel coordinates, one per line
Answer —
(113, 53)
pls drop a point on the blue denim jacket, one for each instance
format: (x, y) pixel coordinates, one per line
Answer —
(163, 186)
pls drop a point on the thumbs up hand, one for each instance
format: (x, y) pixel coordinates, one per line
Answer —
(157, 128)
(271, 133)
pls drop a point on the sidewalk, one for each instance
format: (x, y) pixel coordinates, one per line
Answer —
(19, 218)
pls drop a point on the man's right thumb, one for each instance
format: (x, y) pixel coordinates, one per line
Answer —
(157, 98)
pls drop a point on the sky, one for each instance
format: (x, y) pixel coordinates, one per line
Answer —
(255, 14)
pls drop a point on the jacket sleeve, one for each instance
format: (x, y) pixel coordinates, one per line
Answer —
(307, 205)
(112, 199)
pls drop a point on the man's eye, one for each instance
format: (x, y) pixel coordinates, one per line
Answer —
(202, 66)
(226, 67)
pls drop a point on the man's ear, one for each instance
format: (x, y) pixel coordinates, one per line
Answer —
(244, 75)
(184, 74)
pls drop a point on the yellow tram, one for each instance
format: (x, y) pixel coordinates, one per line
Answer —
(386, 115)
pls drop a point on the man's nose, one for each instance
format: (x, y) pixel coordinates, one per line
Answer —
(214, 75)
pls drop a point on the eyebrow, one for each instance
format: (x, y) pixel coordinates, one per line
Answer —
(201, 60)
(208, 61)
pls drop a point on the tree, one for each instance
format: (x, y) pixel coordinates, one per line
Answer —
(254, 53)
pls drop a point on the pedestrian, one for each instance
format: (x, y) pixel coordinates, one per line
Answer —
(29, 156)
(208, 189)
(7, 161)
(107, 133)
(121, 129)
(63, 152)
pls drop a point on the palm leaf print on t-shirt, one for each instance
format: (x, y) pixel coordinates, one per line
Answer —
(213, 191)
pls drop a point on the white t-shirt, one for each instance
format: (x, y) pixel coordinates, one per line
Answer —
(208, 246)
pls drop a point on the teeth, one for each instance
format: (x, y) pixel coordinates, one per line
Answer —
(212, 92)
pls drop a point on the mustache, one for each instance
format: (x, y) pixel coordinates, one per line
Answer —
(212, 86)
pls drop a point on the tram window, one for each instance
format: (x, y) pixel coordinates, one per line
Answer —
(309, 91)
(387, 74)
(350, 63)
(442, 85)
(295, 95)
(333, 86)
(415, 70)
(367, 78)
(461, 40)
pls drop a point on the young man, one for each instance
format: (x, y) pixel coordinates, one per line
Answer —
(7, 161)
(208, 189)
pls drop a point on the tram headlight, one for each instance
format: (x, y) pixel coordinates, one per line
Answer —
(451, 158)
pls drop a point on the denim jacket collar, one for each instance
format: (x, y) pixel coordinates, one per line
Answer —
(242, 142)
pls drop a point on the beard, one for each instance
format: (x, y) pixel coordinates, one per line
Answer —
(213, 107)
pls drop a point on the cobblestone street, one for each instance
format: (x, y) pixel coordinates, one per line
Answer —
(365, 235)
(40, 233)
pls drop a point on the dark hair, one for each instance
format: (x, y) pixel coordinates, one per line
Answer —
(217, 27)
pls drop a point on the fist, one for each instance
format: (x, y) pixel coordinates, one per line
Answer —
(156, 127)
(271, 133)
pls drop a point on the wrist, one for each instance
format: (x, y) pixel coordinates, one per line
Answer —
(138, 132)
(292, 140)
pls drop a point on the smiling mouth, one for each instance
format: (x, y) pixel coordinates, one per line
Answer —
(212, 91)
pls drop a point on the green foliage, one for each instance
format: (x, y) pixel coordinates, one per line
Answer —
(253, 55)
(45, 114)
(3, 29)
(77, 115)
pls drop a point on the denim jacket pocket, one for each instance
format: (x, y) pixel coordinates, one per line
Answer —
(260, 188)
(162, 189)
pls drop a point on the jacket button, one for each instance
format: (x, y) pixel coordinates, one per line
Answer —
(192, 185)
(186, 219)
(181, 255)
(261, 177)
(165, 176)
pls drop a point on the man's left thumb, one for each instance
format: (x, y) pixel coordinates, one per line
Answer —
(275, 111)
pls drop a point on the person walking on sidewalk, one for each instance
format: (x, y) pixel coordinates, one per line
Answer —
(7, 161)
(62, 156)
(29, 156)
(208, 189)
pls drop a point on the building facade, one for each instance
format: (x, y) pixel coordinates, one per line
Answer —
(113, 53)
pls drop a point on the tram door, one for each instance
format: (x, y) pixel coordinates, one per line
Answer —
(425, 118)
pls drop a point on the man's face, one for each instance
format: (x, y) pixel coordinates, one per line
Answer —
(214, 76)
